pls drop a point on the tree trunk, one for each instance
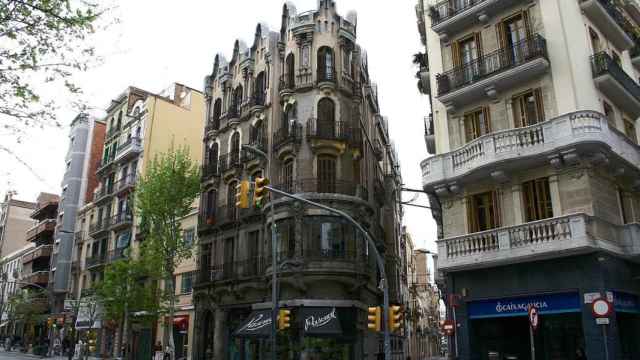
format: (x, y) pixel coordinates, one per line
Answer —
(169, 324)
(121, 334)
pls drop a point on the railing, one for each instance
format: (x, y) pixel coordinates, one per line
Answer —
(99, 226)
(328, 130)
(602, 63)
(287, 82)
(514, 144)
(117, 254)
(105, 163)
(79, 237)
(112, 131)
(40, 251)
(326, 76)
(214, 124)
(121, 219)
(304, 78)
(36, 277)
(318, 186)
(129, 180)
(223, 214)
(210, 170)
(253, 267)
(105, 191)
(447, 9)
(346, 82)
(287, 135)
(132, 141)
(329, 254)
(47, 225)
(95, 260)
(229, 161)
(491, 64)
(233, 112)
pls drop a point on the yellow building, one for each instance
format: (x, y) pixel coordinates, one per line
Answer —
(140, 126)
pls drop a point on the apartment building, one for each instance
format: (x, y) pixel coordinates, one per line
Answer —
(304, 96)
(139, 126)
(10, 270)
(86, 138)
(15, 220)
(535, 177)
(36, 263)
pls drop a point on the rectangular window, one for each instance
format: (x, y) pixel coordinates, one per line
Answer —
(537, 199)
(326, 174)
(476, 124)
(287, 176)
(630, 130)
(188, 237)
(186, 285)
(483, 211)
(528, 108)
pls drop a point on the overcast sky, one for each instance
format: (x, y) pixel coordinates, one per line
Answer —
(159, 42)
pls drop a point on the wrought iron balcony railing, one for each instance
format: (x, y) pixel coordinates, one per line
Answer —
(314, 185)
(328, 130)
(210, 171)
(447, 9)
(492, 63)
(602, 63)
(286, 135)
(229, 161)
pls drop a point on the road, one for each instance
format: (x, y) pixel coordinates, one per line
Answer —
(14, 355)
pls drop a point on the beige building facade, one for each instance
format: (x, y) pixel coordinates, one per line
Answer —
(15, 220)
(536, 167)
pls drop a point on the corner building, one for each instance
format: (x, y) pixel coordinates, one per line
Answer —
(304, 97)
(536, 173)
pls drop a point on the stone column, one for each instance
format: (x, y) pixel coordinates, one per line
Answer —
(516, 192)
(554, 189)
(220, 338)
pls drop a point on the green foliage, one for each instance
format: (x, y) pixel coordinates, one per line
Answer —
(127, 287)
(29, 306)
(164, 196)
(43, 42)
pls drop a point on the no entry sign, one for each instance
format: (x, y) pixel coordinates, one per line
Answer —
(601, 308)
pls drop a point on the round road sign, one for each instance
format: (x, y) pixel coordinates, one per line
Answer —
(533, 317)
(601, 308)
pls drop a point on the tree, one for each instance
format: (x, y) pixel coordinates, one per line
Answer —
(164, 196)
(123, 291)
(44, 44)
(29, 306)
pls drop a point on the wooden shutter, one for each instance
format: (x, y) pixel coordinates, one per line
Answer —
(501, 32)
(528, 196)
(539, 104)
(496, 199)
(544, 198)
(455, 54)
(527, 25)
(477, 41)
(487, 119)
(472, 215)
(326, 174)
(469, 127)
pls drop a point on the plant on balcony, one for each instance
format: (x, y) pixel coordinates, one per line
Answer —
(166, 195)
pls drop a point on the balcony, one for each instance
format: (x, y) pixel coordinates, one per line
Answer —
(256, 102)
(126, 183)
(304, 78)
(230, 161)
(39, 277)
(328, 130)
(42, 251)
(450, 17)
(46, 209)
(287, 136)
(585, 132)
(99, 227)
(490, 73)
(117, 254)
(103, 194)
(318, 186)
(615, 83)
(550, 238)
(605, 15)
(87, 292)
(105, 165)
(210, 171)
(286, 85)
(128, 149)
(121, 220)
(429, 134)
(326, 79)
(79, 237)
(95, 260)
(44, 228)
(233, 270)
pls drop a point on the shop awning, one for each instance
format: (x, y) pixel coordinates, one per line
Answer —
(257, 324)
(320, 321)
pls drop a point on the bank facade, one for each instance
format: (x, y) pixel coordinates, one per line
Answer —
(535, 177)
(302, 95)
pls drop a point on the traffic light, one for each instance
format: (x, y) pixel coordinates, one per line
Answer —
(284, 319)
(49, 322)
(395, 318)
(259, 191)
(242, 194)
(374, 318)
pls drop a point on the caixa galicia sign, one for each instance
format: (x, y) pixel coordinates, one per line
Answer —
(519, 306)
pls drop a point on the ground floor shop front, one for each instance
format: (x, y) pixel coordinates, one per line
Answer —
(497, 326)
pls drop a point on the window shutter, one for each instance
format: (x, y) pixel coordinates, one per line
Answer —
(455, 54)
(477, 39)
(471, 215)
(539, 104)
(527, 25)
(527, 191)
(487, 119)
(496, 199)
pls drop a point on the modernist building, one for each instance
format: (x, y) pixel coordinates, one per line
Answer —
(304, 96)
(85, 133)
(536, 172)
(140, 125)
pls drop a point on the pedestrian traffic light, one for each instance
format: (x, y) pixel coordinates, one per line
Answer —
(374, 318)
(395, 318)
(49, 322)
(259, 191)
(242, 194)
(284, 319)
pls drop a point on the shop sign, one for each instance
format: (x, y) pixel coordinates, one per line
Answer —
(257, 324)
(320, 320)
(625, 302)
(519, 306)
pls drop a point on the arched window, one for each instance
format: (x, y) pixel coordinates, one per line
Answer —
(326, 118)
(287, 176)
(209, 206)
(290, 72)
(326, 174)
(237, 101)
(234, 157)
(217, 111)
(258, 137)
(212, 158)
(119, 123)
(325, 64)
(260, 89)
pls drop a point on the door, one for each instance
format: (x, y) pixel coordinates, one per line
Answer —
(326, 174)
(514, 35)
(466, 55)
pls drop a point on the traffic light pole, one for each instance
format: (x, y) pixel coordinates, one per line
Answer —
(372, 245)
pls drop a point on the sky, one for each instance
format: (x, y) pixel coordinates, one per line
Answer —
(158, 42)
